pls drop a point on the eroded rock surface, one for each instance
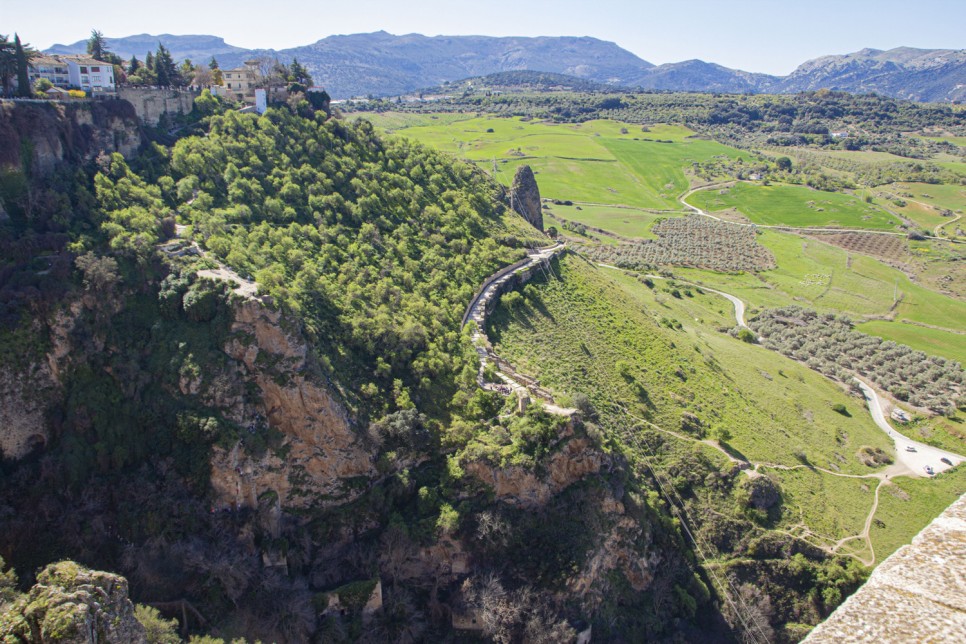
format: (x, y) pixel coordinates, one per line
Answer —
(72, 604)
(525, 196)
(525, 487)
(322, 451)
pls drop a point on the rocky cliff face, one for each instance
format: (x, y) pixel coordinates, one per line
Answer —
(23, 401)
(525, 196)
(75, 605)
(524, 487)
(34, 138)
(621, 542)
(323, 452)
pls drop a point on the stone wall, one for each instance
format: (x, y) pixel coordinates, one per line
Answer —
(151, 103)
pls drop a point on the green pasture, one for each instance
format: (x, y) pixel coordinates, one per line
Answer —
(926, 202)
(932, 341)
(959, 167)
(798, 206)
(821, 276)
(955, 140)
(600, 162)
(627, 222)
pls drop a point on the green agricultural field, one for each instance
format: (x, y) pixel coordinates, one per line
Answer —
(597, 162)
(958, 167)
(799, 206)
(955, 140)
(863, 156)
(627, 222)
(926, 203)
(660, 166)
(392, 121)
(932, 341)
(821, 276)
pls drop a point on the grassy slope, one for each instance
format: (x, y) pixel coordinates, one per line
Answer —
(595, 321)
(907, 506)
(580, 332)
(795, 206)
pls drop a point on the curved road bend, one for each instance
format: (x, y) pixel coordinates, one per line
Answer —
(915, 459)
(738, 304)
(920, 455)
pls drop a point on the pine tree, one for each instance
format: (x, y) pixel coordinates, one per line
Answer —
(164, 67)
(97, 46)
(298, 73)
(8, 64)
(133, 66)
(149, 62)
(23, 77)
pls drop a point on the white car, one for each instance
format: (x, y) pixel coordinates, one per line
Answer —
(929, 470)
(910, 448)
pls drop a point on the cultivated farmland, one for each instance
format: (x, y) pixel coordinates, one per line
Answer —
(829, 344)
(797, 206)
(690, 241)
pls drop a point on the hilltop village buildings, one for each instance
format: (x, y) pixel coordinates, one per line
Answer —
(96, 77)
(74, 72)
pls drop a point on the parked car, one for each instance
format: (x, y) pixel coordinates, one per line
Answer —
(910, 448)
(946, 460)
(929, 470)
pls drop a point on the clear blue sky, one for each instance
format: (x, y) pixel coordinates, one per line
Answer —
(771, 36)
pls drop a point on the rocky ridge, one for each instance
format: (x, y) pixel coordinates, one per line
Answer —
(383, 64)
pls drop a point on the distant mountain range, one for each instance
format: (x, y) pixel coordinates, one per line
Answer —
(382, 64)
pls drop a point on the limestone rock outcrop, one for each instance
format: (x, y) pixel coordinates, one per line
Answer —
(322, 451)
(60, 132)
(72, 604)
(524, 487)
(525, 196)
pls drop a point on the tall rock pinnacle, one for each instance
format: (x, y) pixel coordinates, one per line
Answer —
(525, 196)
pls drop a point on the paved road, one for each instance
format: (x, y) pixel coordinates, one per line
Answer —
(739, 305)
(922, 455)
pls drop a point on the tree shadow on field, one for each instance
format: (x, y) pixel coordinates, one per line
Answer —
(733, 451)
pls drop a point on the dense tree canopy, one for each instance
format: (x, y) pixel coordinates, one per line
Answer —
(378, 244)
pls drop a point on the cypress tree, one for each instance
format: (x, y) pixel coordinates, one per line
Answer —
(23, 77)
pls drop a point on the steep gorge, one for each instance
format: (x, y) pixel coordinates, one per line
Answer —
(250, 454)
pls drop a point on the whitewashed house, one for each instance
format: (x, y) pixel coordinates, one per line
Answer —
(90, 75)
